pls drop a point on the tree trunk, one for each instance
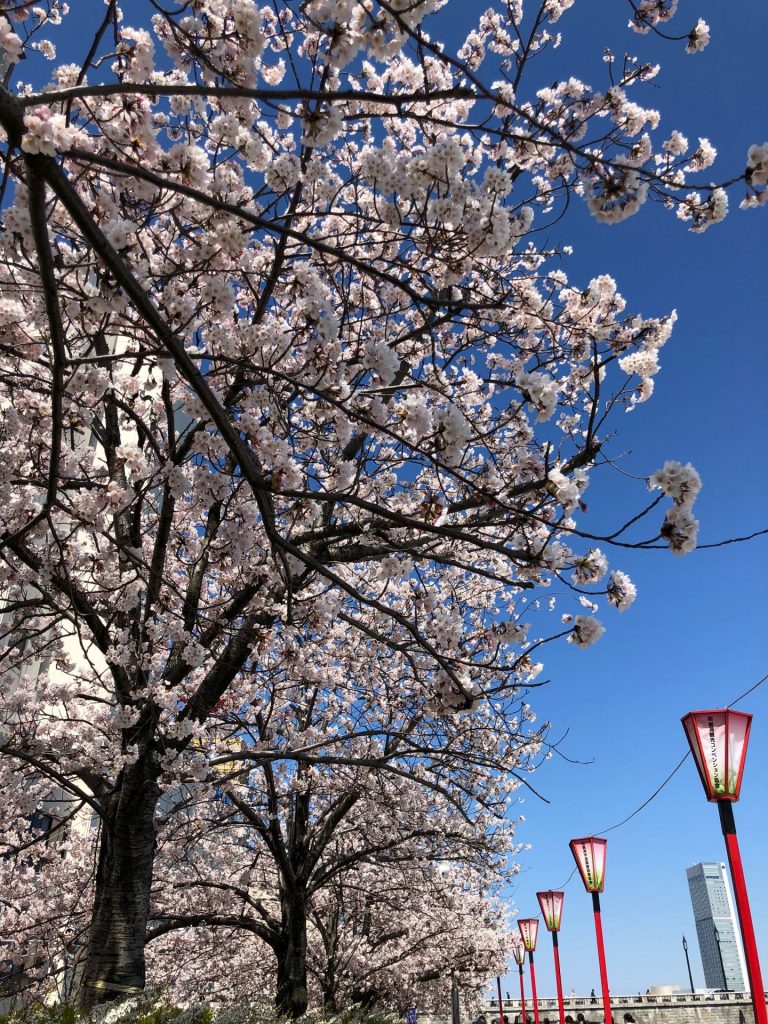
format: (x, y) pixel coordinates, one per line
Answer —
(329, 994)
(115, 958)
(328, 981)
(365, 998)
(328, 984)
(292, 998)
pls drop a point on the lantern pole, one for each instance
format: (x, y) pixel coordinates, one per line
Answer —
(558, 981)
(601, 959)
(501, 1005)
(589, 854)
(523, 1015)
(742, 908)
(534, 997)
(716, 933)
(688, 963)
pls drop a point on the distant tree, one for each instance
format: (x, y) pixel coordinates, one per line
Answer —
(392, 935)
(285, 345)
(337, 775)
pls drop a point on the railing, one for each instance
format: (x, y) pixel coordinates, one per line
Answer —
(659, 999)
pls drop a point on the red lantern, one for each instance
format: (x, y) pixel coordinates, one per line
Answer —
(718, 741)
(518, 952)
(551, 904)
(529, 928)
(589, 854)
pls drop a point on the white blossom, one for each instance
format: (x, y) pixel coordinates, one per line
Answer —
(698, 37)
(322, 126)
(757, 164)
(644, 363)
(46, 132)
(10, 43)
(590, 568)
(586, 631)
(621, 590)
(677, 481)
(676, 144)
(681, 529)
(540, 390)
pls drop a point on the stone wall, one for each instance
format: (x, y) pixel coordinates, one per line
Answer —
(678, 1008)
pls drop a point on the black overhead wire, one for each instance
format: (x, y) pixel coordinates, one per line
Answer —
(669, 777)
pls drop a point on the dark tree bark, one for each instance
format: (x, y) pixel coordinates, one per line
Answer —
(115, 958)
(291, 998)
(329, 932)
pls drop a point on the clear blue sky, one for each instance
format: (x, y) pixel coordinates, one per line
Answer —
(696, 636)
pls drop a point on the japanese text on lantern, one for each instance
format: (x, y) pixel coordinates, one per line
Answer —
(713, 754)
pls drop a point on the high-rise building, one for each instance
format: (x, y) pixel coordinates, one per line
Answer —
(722, 955)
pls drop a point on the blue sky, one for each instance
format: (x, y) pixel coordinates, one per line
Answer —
(696, 635)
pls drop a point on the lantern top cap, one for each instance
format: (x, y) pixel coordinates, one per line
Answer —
(718, 738)
(717, 711)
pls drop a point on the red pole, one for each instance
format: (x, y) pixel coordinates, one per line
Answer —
(742, 908)
(501, 1005)
(534, 997)
(601, 958)
(556, 952)
(523, 1014)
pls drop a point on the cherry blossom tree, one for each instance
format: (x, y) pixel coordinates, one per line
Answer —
(395, 892)
(338, 773)
(47, 876)
(286, 350)
(393, 937)
(386, 937)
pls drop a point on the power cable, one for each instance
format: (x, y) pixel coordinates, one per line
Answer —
(747, 692)
(677, 767)
(669, 777)
(653, 796)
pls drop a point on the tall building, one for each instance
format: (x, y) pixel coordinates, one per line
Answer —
(722, 955)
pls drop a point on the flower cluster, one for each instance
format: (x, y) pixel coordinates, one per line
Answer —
(586, 630)
(10, 44)
(698, 37)
(621, 590)
(704, 212)
(757, 176)
(682, 484)
(616, 194)
(46, 132)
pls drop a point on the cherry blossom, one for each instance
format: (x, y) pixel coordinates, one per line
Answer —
(698, 38)
(586, 631)
(299, 408)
